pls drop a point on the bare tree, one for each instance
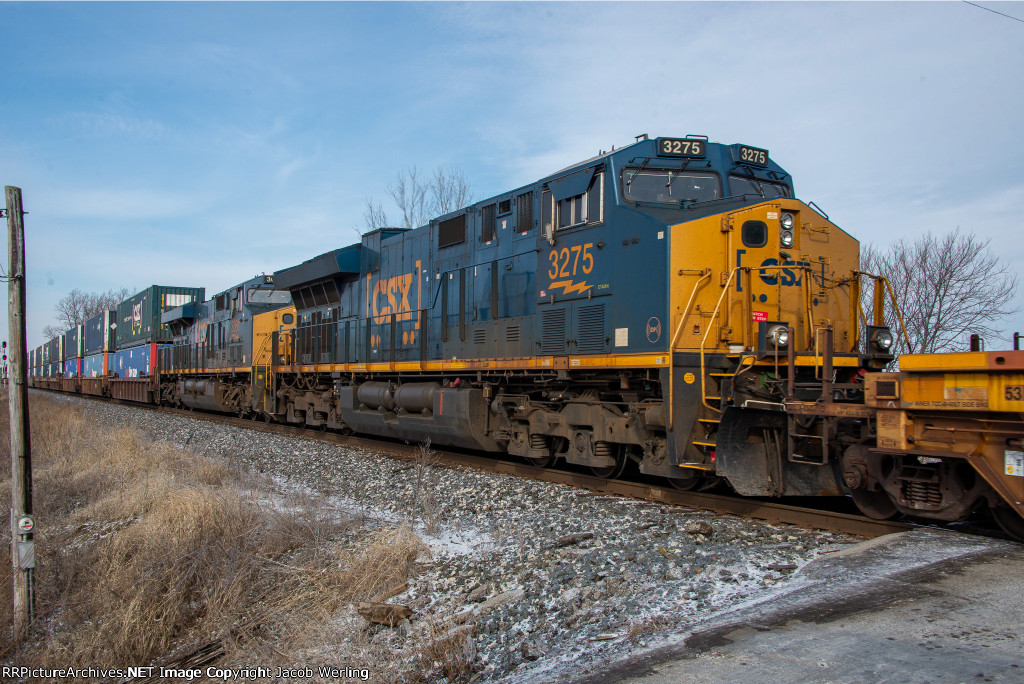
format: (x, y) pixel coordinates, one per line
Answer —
(409, 193)
(374, 215)
(449, 190)
(76, 307)
(52, 331)
(418, 198)
(947, 288)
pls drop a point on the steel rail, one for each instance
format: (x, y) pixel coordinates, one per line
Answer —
(759, 509)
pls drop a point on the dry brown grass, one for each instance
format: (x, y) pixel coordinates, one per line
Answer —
(145, 552)
(444, 648)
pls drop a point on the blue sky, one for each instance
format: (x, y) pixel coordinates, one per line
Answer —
(202, 143)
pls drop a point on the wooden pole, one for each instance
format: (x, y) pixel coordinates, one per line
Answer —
(22, 546)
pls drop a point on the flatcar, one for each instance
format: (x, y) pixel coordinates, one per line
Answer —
(668, 303)
(949, 439)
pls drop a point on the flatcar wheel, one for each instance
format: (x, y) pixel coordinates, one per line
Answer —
(1010, 521)
(876, 505)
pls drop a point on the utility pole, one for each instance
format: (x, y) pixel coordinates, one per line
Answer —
(22, 546)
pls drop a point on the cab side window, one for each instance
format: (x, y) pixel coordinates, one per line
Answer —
(584, 208)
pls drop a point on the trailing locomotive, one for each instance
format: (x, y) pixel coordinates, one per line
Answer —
(668, 303)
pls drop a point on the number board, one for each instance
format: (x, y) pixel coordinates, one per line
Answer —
(681, 147)
(753, 155)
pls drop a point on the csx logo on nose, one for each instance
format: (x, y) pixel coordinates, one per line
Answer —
(789, 277)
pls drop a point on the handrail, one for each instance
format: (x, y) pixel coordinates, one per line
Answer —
(675, 339)
(257, 366)
(726, 290)
(880, 315)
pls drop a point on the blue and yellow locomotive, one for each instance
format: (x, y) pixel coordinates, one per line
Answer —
(669, 303)
(610, 312)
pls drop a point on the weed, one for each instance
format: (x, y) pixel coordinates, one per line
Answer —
(147, 553)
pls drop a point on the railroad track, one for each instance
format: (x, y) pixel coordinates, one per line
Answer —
(769, 511)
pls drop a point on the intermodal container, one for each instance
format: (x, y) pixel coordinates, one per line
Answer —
(73, 343)
(137, 362)
(54, 370)
(97, 365)
(138, 317)
(72, 368)
(54, 347)
(100, 333)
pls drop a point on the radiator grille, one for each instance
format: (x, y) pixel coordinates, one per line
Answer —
(552, 339)
(590, 328)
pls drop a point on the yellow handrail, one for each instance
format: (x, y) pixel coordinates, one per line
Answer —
(675, 340)
(726, 290)
(879, 302)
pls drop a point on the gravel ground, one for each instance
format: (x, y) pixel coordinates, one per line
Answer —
(544, 581)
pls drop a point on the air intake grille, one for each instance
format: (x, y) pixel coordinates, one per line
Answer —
(512, 333)
(590, 328)
(552, 339)
(479, 336)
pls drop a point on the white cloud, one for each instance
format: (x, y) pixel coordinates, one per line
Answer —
(103, 124)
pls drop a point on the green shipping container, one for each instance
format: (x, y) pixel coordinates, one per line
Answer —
(138, 317)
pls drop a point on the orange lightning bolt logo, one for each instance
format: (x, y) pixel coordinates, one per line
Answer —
(569, 287)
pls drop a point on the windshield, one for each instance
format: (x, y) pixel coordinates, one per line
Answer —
(744, 185)
(667, 185)
(269, 296)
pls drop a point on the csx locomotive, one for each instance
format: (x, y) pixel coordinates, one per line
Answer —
(668, 303)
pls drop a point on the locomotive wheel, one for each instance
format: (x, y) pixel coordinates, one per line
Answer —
(613, 471)
(542, 462)
(876, 505)
(685, 484)
(709, 483)
(553, 447)
(1011, 523)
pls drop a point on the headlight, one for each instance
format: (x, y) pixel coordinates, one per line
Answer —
(778, 336)
(786, 234)
(883, 340)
